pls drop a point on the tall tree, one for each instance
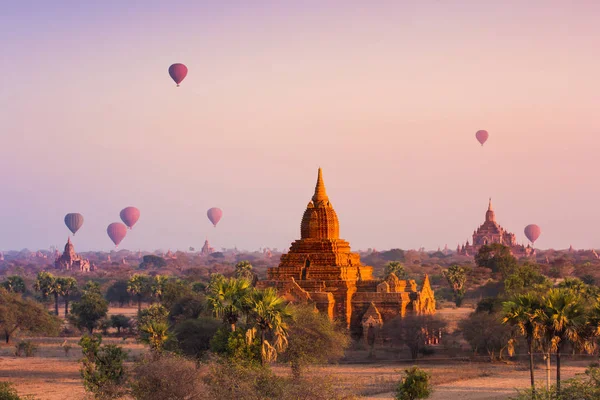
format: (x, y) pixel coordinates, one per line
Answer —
(67, 286)
(14, 284)
(89, 310)
(47, 285)
(269, 313)
(158, 285)
(523, 312)
(457, 278)
(24, 315)
(243, 270)
(563, 317)
(413, 331)
(228, 298)
(138, 287)
(496, 257)
(397, 268)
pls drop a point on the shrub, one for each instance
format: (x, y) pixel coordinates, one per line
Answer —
(7, 392)
(194, 335)
(26, 348)
(415, 384)
(102, 371)
(168, 377)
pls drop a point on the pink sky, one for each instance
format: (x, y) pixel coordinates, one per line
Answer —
(386, 98)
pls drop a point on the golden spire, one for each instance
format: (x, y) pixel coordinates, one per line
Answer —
(320, 193)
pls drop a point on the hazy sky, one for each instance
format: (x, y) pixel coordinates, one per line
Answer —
(386, 96)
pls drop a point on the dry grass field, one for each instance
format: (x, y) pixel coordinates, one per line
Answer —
(53, 375)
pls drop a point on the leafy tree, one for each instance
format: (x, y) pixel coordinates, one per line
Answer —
(138, 286)
(397, 268)
(269, 314)
(312, 338)
(393, 254)
(8, 392)
(24, 315)
(102, 369)
(243, 270)
(174, 290)
(486, 334)
(228, 298)
(118, 293)
(526, 278)
(187, 307)
(580, 288)
(523, 313)
(14, 284)
(154, 328)
(194, 335)
(563, 317)
(415, 384)
(47, 285)
(496, 257)
(66, 286)
(158, 285)
(414, 330)
(120, 321)
(457, 278)
(89, 310)
(152, 261)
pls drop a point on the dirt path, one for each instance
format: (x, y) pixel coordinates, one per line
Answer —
(500, 386)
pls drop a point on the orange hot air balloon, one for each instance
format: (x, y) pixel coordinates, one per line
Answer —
(74, 221)
(130, 216)
(482, 136)
(116, 232)
(214, 215)
(533, 232)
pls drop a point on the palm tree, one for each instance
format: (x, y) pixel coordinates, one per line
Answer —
(243, 270)
(457, 278)
(269, 312)
(14, 284)
(47, 284)
(523, 312)
(68, 285)
(397, 268)
(156, 334)
(563, 317)
(158, 286)
(138, 286)
(228, 299)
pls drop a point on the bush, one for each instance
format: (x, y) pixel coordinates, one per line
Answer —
(102, 371)
(26, 348)
(7, 392)
(168, 377)
(415, 384)
(194, 335)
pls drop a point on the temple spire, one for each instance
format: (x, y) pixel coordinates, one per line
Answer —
(320, 193)
(490, 205)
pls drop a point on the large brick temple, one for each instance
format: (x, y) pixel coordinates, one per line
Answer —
(491, 232)
(320, 268)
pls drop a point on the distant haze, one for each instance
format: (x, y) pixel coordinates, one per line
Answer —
(386, 96)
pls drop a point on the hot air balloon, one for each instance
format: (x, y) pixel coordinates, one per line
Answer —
(533, 232)
(178, 72)
(214, 215)
(482, 136)
(74, 221)
(130, 216)
(116, 231)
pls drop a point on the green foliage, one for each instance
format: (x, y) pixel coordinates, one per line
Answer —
(8, 392)
(44, 283)
(26, 348)
(158, 285)
(174, 291)
(190, 306)
(194, 335)
(154, 313)
(152, 261)
(313, 338)
(415, 384)
(139, 286)
(120, 321)
(66, 286)
(397, 268)
(408, 331)
(457, 278)
(579, 388)
(117, 293)
(14, 284)
(228, 298)
(243, 270)
(102, 369)
(489, 305)
(393, 254)
(89, 310)
(167, 377)
(526, 278)
(496, 257)
(24, 315)
(153, 327)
